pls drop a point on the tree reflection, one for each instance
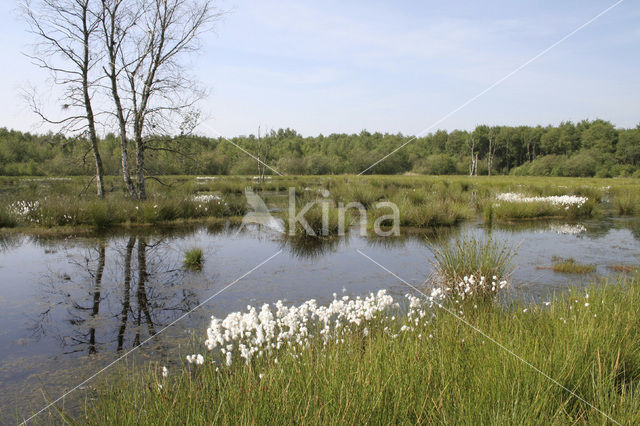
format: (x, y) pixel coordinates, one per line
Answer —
(115, 298)
(126, 298)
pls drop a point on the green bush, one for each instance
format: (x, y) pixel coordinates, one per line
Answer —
(436, 164)
(582, 164)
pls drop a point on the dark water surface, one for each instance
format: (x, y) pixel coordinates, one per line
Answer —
(69, 306)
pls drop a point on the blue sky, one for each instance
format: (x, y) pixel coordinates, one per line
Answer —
(334, 66)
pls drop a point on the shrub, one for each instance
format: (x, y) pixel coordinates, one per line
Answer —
(581, 165)
(437, 164)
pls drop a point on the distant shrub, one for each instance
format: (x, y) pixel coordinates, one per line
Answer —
(318, 164)
(437, 164)
(547, 165)
(582, 164)
(292, 165)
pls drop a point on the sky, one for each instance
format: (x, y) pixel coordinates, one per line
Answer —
(389, 66)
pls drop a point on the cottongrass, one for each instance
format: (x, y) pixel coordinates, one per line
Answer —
(518, 206)
(206, 198)
(559, 200)
(438, 371)
(258, 333)
(471, 265)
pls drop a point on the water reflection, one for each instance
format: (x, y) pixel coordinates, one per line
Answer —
(307, 247)
(118, 296)
(9, 241)
(429, 236)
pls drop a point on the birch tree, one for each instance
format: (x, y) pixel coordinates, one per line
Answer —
(65, 30)
(146, 64)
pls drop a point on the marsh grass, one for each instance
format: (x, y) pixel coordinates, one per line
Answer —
(626, 203)
(7, 219)
(315, 218)
(440, 372)
(193, 258)
(471, 256)
(570, 266)
(425, 201)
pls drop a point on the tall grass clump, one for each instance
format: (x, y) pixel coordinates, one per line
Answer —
(483, 259)
(7, 219)
(626, 203)
(193, 258)
(99, 214)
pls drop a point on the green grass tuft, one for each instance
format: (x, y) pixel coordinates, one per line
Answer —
(193, 258)
(570, 266)
(471, 256)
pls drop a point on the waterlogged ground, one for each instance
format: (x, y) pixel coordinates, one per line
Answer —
(69, 306)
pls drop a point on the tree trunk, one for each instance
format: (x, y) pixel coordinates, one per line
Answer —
(142, 193)
(471, 166)
(93, 138)
(98, 160)
(112, 50)
(123, 136)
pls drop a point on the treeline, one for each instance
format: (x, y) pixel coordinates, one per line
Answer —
(587, 148)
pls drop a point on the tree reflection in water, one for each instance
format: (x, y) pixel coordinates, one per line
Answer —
(130, 296)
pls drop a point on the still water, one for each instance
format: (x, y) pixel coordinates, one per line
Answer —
(71, 305)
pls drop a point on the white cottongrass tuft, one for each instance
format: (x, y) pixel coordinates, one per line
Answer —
(165, 372)
(470, 285)
(244, 336)
(205, 198)
(255, 333)
(196, 359)
(558, 200)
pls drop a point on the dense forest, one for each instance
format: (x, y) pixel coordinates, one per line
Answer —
(588, 148)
